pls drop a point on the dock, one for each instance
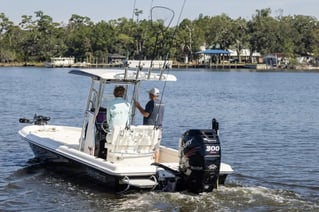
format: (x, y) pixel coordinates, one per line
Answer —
(215, 66)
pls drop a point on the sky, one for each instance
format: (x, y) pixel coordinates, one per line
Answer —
(97, 10)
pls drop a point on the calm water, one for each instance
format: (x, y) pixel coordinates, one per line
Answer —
(269, 128)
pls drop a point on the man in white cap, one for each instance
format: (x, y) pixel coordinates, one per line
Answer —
(154, 109)
(152, 114)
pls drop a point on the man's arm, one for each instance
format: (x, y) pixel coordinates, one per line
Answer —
(140, 108)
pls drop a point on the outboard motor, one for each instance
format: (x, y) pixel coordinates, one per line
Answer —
(199, 162)
(200, 158)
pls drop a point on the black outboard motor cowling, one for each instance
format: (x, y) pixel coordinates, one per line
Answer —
(200, 158)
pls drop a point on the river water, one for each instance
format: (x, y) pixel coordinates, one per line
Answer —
(269, 130)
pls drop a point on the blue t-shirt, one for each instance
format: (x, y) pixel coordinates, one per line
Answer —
(156, 110)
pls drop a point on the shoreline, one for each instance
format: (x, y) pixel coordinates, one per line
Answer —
(234, 66)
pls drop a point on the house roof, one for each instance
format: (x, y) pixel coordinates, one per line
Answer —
(213, 51)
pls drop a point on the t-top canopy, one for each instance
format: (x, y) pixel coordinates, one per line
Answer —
(123, 75)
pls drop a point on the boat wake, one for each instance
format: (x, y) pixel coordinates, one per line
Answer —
(242, 180)
(225, 198)
(30, 181)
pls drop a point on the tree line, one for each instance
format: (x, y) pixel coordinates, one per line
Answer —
(37, 38)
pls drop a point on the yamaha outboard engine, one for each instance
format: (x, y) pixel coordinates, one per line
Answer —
(200, 158)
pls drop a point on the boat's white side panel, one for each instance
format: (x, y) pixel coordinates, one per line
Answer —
(64, 141)
(104, 166)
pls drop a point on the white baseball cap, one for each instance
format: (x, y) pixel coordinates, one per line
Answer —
(154, 91)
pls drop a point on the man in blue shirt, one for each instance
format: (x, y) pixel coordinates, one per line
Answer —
(153, 114)
(118, 109)
(154, 109)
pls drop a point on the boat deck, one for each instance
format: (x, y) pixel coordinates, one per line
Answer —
(69, 136)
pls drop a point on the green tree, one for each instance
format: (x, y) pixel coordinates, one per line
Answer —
(315, 46)
(30, 37)
(102, 39)
(38, 38)
(184, 37)
(7, 50)
(219, 34)
(304, 36)
(128, 37)
(240, 36)
(78, 38)
(49, 41)
(262, 29)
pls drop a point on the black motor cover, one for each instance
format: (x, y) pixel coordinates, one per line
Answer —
(200, 158)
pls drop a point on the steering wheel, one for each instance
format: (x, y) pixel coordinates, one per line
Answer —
(105, 126)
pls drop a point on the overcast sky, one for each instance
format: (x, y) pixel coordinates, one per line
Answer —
(97, 10)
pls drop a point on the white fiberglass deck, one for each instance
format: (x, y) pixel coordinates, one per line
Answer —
(68, 136)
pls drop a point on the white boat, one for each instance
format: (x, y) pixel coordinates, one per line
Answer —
(60, 62)
(157, 64)
(125, 157)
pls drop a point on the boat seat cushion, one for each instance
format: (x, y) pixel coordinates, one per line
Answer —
(136, 142)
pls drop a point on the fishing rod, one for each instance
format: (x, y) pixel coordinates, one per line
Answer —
(164, 40)
(164, 32)
(173, 36)
(170, 44)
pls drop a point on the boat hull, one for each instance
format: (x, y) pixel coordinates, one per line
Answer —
(59, 144)
(111, 182)
(45, 155)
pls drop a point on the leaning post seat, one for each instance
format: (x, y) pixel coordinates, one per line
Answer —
(133, 144)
